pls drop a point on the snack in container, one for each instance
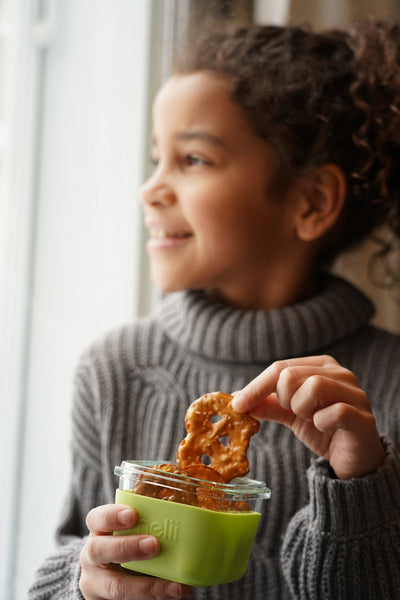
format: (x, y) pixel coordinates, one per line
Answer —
(206, 528)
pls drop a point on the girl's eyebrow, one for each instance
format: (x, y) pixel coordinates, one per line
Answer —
(186, 136)
(199, 135)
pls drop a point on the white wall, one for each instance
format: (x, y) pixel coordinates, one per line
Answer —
(84, 255)
(272, 11)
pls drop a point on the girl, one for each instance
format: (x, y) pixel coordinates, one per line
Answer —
(276, 148)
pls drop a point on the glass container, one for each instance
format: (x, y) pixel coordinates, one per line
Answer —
(206, 529)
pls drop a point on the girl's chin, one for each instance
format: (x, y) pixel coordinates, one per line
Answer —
(169, 280)
(168, 287)
(177, 280)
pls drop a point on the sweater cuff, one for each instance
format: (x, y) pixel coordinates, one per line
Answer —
(348, 507)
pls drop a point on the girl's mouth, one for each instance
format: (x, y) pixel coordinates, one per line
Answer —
(162, 234)
(163, 239)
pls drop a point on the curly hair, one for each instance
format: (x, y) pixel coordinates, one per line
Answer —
(323, 97)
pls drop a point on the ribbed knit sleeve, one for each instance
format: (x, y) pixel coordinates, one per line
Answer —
(58, 577)
(346, 542)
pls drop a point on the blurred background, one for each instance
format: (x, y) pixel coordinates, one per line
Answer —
(77, 78)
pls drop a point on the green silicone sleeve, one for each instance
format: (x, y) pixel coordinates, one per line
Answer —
(199, 547)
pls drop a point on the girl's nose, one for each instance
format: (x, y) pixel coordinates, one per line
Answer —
(157, 190)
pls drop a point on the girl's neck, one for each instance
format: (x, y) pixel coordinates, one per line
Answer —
(276, 291)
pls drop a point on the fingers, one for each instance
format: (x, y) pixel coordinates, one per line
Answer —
(266, 383)
(312, 392)
(269, 409)
(105, 519)
(162, 589)
(115, 585)
(324, 405)
(303, 386)
(303, 389)
(355, 449)
(100, 577)
(345, 417)
(103, 550)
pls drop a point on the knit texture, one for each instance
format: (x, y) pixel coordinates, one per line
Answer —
(319, 537)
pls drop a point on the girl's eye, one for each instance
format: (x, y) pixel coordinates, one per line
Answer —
(191, 160)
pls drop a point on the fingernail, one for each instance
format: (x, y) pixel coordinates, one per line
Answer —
(148, 545)
(236, 402)
(174, 590)
(125, 516)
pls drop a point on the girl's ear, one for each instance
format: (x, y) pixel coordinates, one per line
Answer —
(320, 202)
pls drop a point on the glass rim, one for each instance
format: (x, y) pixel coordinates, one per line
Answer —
(238, 488)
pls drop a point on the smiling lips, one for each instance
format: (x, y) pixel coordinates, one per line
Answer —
(166, 238)
(163, 234)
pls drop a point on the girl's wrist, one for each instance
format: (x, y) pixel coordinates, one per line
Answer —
(348, 507)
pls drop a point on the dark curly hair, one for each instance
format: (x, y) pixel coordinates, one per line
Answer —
(324, 97)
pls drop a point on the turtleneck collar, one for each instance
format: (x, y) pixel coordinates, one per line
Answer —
(199, 324)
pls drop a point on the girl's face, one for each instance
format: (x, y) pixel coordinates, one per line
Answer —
(212, 222)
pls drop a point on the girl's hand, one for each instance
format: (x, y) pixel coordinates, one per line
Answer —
(324, 405)
(102, 579)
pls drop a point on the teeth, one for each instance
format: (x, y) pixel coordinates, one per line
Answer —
(158, 233)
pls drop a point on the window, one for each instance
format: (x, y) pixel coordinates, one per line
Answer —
(74, 81)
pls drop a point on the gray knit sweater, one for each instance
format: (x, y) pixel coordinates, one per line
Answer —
(319, 538)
